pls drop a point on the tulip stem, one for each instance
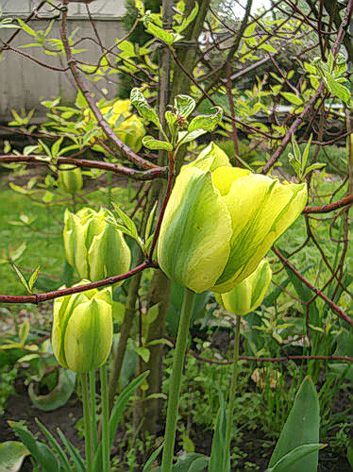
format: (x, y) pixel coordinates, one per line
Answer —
(175, 381)
(74, 203)
(233, 384)
(105, 419)
(87, 423)
(93, 406)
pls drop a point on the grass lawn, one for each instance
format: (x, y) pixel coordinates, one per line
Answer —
(43, 238)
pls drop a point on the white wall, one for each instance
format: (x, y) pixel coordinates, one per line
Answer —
(98, 8)
(24, 84)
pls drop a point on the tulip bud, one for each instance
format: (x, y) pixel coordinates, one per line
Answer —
(125, 124)
(220, 222)
(93, 246)
(70, 179)
(131, 131)
(246, 296)
(82, 331)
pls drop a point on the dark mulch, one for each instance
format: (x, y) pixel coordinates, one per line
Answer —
(19, 407)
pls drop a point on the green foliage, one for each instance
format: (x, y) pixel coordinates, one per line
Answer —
(177, 121)
(289, 322)
(298, 445)
(41, 453)
(58, 396)
(219, 458)
(299, 161)
(12, 455)
(8, 376)
(335, 157)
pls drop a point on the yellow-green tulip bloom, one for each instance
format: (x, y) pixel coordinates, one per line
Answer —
(82, 331)
(70, 179)
(94, 247)
(220, 222)
(126, 125)
(246, 296)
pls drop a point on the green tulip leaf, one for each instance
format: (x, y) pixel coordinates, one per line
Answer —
(118, 410)
(73, 452)
(64, 461)
(192, 462)
(350, 453)
(290, 460)
(150, 461)
(60, 394)
(220, 458)
(41, 453)
(12, 455)
(301, 428)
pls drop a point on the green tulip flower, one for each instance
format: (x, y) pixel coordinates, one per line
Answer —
(126, 125)
(83, 329)
(246, 296)
(220, 222)
(70, 179)
(93, 246)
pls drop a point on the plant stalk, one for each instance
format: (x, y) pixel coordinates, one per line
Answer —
(105, 418)
(87, 423)
(93, 406)
(175, 381)
(233, 384)
(119, 354)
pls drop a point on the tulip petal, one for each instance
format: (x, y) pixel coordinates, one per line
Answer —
(246, 296)
(110, 242)
(261, 209)
(68, 239)
(88, 336)
(93, 246)
(260, 280)
(62, 311)
(237, 300)
(195, 235)
(210, 158)
(224, 176)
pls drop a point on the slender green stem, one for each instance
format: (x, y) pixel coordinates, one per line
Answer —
(233, 384)
(105, 419)
(110, 189)
(87, 423)
(175, 381)
(93, 406)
